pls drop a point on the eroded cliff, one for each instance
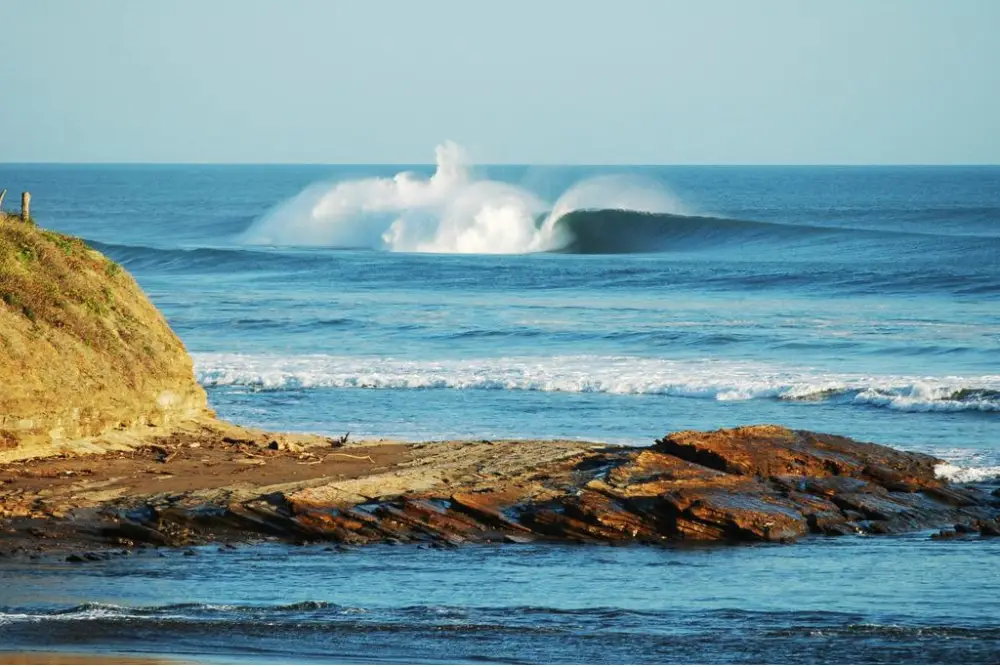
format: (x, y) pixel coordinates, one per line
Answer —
(83, 352)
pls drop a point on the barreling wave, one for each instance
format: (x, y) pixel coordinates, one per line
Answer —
(706, 379)
(449, 212)
(454, 212)
(619, 231)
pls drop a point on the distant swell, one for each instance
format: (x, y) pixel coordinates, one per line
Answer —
(707, 379)
(208, 259)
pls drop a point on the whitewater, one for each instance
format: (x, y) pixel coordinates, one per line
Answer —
(701, 378)
(452, 211)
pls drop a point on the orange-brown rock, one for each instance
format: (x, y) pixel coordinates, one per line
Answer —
(762, 483)
(766, 451)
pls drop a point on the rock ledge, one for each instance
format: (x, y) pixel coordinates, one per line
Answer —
(219, 483)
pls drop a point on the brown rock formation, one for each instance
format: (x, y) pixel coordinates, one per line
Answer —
(220, 483)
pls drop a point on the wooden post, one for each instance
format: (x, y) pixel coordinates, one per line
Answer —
(25, 206)
(3, 193)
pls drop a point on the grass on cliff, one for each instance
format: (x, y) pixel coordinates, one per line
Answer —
(82, 350)
(54, 281)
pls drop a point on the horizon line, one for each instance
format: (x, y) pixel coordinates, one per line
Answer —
(41, 163)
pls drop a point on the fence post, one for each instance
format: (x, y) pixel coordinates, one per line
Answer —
(25, 206)
(3, 193)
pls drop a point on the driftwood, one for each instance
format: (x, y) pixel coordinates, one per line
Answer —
(302, 462)
(351, 456)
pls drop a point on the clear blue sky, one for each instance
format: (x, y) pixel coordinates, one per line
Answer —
(522, 81)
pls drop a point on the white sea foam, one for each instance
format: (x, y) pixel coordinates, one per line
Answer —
(719, 380)
(182, 612)
(450, 212)
(82, 613)
(967, 474)
(8, 618)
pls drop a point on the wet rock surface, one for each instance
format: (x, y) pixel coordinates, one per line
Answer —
(758, 483)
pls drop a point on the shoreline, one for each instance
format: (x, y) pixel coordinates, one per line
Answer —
(216, 483)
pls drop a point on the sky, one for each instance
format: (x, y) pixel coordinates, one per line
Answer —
(517, 81)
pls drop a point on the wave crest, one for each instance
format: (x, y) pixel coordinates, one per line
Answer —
(449, 212)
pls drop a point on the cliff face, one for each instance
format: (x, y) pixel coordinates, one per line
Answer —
(82, 350)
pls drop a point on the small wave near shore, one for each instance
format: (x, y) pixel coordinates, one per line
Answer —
(712, 379)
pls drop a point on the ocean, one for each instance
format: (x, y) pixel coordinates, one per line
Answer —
(611, 304)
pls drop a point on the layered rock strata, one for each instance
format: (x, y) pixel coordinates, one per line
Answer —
(222, 484)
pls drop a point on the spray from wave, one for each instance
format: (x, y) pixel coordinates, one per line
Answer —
(450, 212)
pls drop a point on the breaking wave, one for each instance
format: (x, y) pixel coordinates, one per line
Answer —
(449, 212)
(452, 211)
(967, 475)
(709, 379)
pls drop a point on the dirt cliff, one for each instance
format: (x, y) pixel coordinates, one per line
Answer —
(83, 352)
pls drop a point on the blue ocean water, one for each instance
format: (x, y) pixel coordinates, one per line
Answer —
(603, 303)
(845, 601)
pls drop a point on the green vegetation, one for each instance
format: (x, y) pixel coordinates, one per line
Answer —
(68, 244)
(52, 278)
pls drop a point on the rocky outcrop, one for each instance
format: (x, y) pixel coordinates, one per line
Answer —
(83, 352)
(764, 483)
(759, 483)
